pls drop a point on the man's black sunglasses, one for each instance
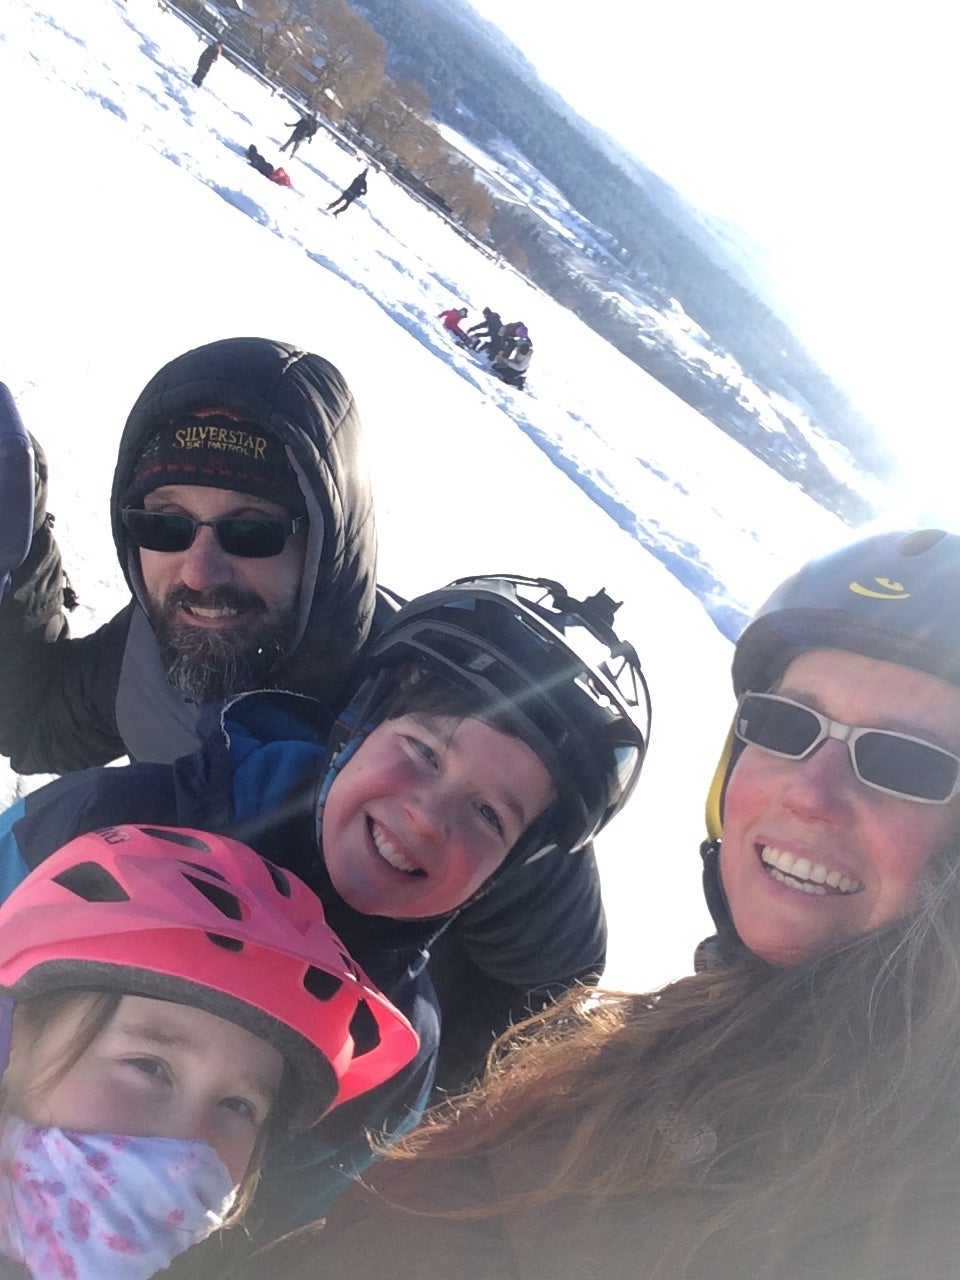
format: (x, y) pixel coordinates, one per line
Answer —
(245, 536)
(896, 763)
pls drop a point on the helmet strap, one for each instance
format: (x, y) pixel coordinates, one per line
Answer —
(727, 940)
(353, 726)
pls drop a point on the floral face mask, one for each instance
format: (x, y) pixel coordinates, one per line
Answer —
(85, 1206)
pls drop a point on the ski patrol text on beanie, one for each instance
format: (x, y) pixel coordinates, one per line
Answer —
(227, 439)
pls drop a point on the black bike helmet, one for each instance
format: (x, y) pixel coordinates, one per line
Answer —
(892, 596)
(547, 668)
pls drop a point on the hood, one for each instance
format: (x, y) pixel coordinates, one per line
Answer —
(305, 402)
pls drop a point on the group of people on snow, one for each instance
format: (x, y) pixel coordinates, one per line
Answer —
(508, 347)
(355, 843)
(303, 130)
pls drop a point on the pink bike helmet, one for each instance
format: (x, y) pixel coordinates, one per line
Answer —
(182, 915)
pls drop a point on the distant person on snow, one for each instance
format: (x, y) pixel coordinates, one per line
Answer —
(508, 335)
(489, 327)
(263, 165)
(209, 56)
(357, 188)
(511, 366)
(451, 322)
(303, 131)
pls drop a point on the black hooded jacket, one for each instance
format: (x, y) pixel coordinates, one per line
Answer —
(67, 703)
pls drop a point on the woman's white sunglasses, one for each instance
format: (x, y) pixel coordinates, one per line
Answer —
(895, 763)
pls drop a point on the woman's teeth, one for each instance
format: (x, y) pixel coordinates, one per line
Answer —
(389, 852)
(804, 875)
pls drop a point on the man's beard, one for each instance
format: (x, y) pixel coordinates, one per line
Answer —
(217, 662)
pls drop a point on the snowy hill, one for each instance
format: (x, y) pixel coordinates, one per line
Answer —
(676, 290)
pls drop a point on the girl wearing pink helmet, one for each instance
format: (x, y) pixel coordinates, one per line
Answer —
(176, 1002)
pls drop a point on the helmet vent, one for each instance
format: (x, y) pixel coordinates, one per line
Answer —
(224, 901)
(364, 1030)
(92, 883)
(280, 881)
(207, 871)
(321, 984)
(177, 837)
(228, 944)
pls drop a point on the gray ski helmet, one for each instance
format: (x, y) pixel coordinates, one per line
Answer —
(892, 596)
(549, 668)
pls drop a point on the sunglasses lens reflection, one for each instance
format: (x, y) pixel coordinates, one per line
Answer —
(782, 727)
(911, 768)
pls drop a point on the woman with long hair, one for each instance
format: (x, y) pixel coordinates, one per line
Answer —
(791, 1111)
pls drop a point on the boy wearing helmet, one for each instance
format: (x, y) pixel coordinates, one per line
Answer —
(177, 1005)
(501, 725)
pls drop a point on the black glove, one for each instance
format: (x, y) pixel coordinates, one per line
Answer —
(18, 482)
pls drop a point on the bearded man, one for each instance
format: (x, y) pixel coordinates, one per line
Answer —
(243, 521)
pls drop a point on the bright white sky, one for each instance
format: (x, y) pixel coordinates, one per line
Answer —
(826, 129)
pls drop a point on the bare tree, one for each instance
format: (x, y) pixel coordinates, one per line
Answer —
(394, 118)
(282, 34)
(351, 58)
(469, 201)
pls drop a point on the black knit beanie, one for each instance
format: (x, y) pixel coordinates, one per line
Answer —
(220, 450)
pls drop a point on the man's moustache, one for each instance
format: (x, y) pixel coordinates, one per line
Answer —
(215, 598)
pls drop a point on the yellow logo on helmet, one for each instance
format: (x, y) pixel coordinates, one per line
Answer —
(889, 590)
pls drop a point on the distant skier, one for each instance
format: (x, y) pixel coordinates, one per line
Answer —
(209, 56)
(357, 188)
(489, 328)
(303, 131)
(451, 322)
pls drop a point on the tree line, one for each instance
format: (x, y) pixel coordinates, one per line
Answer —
(385, 75)
(332, 60)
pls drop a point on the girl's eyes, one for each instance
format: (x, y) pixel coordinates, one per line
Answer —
(242, 1107)
(156, 1072)
(150, 1067)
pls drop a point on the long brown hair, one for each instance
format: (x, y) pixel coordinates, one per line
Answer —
(771, 1087)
